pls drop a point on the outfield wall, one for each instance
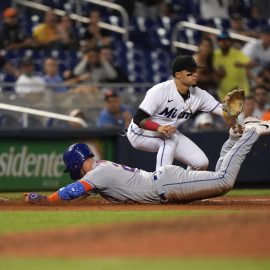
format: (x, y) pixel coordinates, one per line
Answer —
(32, 159)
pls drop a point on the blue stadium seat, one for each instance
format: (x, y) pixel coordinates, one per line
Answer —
(7, 121)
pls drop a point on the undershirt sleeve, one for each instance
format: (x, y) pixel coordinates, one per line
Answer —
(139, 116)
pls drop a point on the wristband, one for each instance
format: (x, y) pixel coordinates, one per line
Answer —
(150, 125)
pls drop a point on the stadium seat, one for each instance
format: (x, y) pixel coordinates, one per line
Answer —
(7, 121)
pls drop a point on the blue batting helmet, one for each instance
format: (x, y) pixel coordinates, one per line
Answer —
(74, 157)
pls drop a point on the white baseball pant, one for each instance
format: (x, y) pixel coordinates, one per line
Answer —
(178, 147)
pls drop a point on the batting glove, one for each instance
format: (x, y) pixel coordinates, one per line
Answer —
(35, 198)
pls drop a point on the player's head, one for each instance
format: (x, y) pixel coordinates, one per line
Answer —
(183, 62)
(74, 158)
(184, 66)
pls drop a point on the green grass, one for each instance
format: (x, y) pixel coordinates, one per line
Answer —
(18, 221)
(249, 192)
(134, 264)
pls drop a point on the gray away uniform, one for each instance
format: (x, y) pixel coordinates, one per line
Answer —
(171, 183)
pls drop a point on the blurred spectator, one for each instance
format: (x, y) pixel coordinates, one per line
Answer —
(238, 26)
(52, 77)
(46, 33)
(115, 113)
(204, 58)
(91, 69)
(94, 36)
(263, 78)
(261, 100)
(248, 109)
(230, 65)
(67, 33)
(255, 18)
(260, 9)
(203, 122)
(214, 8)
(12, 36)
(28, 82)
(259, 52)
(106, 57)
(8, 68)
(148, 8)
(266, 115)
(208, 121)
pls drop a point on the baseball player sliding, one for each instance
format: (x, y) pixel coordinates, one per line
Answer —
(166, 106)
(119, 183)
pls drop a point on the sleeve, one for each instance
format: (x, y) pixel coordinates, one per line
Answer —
(71, 191)
(139, 116)
(37, 31)
(218, 110)
(244, 58)
(104, 119)
(249, 50)
(109, 70)
(152, 100)
(207, 102)
(81, 67)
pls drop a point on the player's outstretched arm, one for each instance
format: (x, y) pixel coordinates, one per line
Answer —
(67, 193)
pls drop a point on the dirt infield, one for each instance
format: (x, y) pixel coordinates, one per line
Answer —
(98, 203)
(245, 234)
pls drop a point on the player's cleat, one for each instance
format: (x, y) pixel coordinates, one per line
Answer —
(261, 127)
(236, 131)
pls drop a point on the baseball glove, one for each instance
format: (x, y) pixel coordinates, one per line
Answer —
(233, 102)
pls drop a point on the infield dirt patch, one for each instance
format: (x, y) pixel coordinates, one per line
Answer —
(244, 234)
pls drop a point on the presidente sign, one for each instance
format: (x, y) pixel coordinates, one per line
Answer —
(28, 165)
(22, 162)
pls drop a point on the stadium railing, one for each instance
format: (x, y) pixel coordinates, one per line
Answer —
(26, 111)
(181, 25)
(121, 30)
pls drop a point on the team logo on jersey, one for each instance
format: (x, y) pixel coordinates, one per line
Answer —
(169, 113)
(172, 113)
(184, 115)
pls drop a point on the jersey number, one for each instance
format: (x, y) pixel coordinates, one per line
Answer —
(126, 168)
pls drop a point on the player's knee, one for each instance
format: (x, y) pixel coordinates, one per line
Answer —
(200, 165)
(227, 182)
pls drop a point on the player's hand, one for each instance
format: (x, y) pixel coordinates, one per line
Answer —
(166, 130)
(35, 198)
